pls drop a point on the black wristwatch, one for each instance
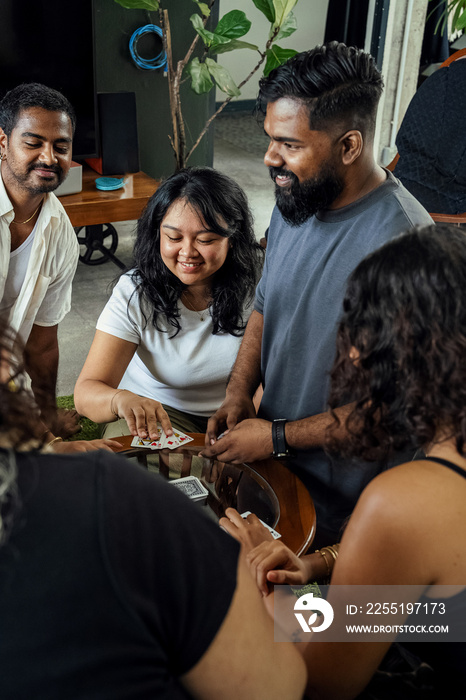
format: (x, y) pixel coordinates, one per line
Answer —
(280, 448)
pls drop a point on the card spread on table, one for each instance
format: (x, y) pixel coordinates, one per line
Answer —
(171, 441)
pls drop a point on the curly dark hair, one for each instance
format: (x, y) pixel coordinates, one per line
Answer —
(216, 198)
(338, 83)
(19, 415)
(405, 313)
(28, 95)
(20, 425)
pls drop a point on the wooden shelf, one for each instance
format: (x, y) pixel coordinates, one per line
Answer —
(92, 206)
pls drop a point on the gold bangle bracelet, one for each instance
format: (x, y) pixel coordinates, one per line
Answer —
(332, 551)
(324, 556)
(52, 442)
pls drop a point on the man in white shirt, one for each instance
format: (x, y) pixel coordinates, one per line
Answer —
(38, 246)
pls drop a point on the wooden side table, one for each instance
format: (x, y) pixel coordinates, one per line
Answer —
(267, 485)
(91, 212)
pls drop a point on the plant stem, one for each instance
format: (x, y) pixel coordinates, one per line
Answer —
(222, 107)
(167, 46)
(228, 99)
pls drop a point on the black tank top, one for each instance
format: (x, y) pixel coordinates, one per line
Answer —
(446, 463)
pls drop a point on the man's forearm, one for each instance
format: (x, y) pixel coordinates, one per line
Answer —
(310, 433)
(246, 373)
(41, 363)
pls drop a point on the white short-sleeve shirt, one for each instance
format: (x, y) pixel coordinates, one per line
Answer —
(45, 295)
(189, 371)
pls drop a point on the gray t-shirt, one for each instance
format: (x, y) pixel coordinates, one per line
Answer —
(300, 296)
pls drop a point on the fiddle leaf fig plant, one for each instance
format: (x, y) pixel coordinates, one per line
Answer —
(203, 71)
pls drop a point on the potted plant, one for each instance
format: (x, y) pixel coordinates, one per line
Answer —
(203, 71)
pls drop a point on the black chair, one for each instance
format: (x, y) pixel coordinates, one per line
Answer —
(431, 143)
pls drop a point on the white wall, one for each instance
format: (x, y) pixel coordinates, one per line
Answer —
(311, 16)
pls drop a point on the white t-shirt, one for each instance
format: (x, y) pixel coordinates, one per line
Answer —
(188, 372)
(19, 260)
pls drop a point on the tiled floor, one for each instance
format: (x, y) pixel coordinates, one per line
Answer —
(239, 148)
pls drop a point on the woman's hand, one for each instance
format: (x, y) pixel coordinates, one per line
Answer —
(141, 414)
(269, 560)
(249, 531)
(274, 563)
(85, 446)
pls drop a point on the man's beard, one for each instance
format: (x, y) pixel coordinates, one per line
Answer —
(46, 186)
(301, 200)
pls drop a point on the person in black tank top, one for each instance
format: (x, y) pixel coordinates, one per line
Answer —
(401, 361)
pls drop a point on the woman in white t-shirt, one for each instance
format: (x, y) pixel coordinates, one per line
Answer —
(167, 338)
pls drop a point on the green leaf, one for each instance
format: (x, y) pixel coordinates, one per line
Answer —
(276, 56)
(207, 37)
(139, 4)
(267, 8)
(288, 27)
(203, 8)
(222, 78)
(200, 78)
(233, 25)
(461, 22)
(456, 15)
(231, 46)
(282, 10)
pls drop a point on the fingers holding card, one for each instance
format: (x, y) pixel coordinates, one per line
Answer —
(162, 441)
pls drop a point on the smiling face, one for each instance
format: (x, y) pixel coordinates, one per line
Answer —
(37, 152)
(188, 248)
(303, 163)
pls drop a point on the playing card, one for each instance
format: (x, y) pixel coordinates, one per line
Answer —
(274, 533)
(178, 438)
(191, 487)
(139, 442)
(163, 441)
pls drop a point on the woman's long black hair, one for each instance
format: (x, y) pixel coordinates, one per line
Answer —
(217, 198)
(405, 313)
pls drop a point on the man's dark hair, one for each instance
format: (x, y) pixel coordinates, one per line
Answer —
(338, 83)
(405, 314)
(28, 95)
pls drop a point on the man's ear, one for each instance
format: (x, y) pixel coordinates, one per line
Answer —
(352, 144)
(3, 140)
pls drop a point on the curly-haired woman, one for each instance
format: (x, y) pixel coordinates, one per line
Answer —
(168, 337)
(401, 357)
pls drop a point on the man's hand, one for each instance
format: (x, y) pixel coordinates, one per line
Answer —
(232, 411)
(86, 446)
(249, 441)
(67, 423)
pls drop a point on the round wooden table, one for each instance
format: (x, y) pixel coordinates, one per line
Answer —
(266, 488)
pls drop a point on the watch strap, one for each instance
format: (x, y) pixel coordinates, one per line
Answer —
(280, 448)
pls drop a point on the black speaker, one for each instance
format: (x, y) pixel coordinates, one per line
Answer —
(118, 131)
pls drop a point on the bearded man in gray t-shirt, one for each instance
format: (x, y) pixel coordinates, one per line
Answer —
(334, 206)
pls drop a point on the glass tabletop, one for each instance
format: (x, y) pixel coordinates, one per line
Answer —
(227, 485)
(266, 488)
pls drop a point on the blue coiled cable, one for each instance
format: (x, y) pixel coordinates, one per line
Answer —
(160, 61)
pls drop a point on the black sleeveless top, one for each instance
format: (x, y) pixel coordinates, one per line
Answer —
(448, 659)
